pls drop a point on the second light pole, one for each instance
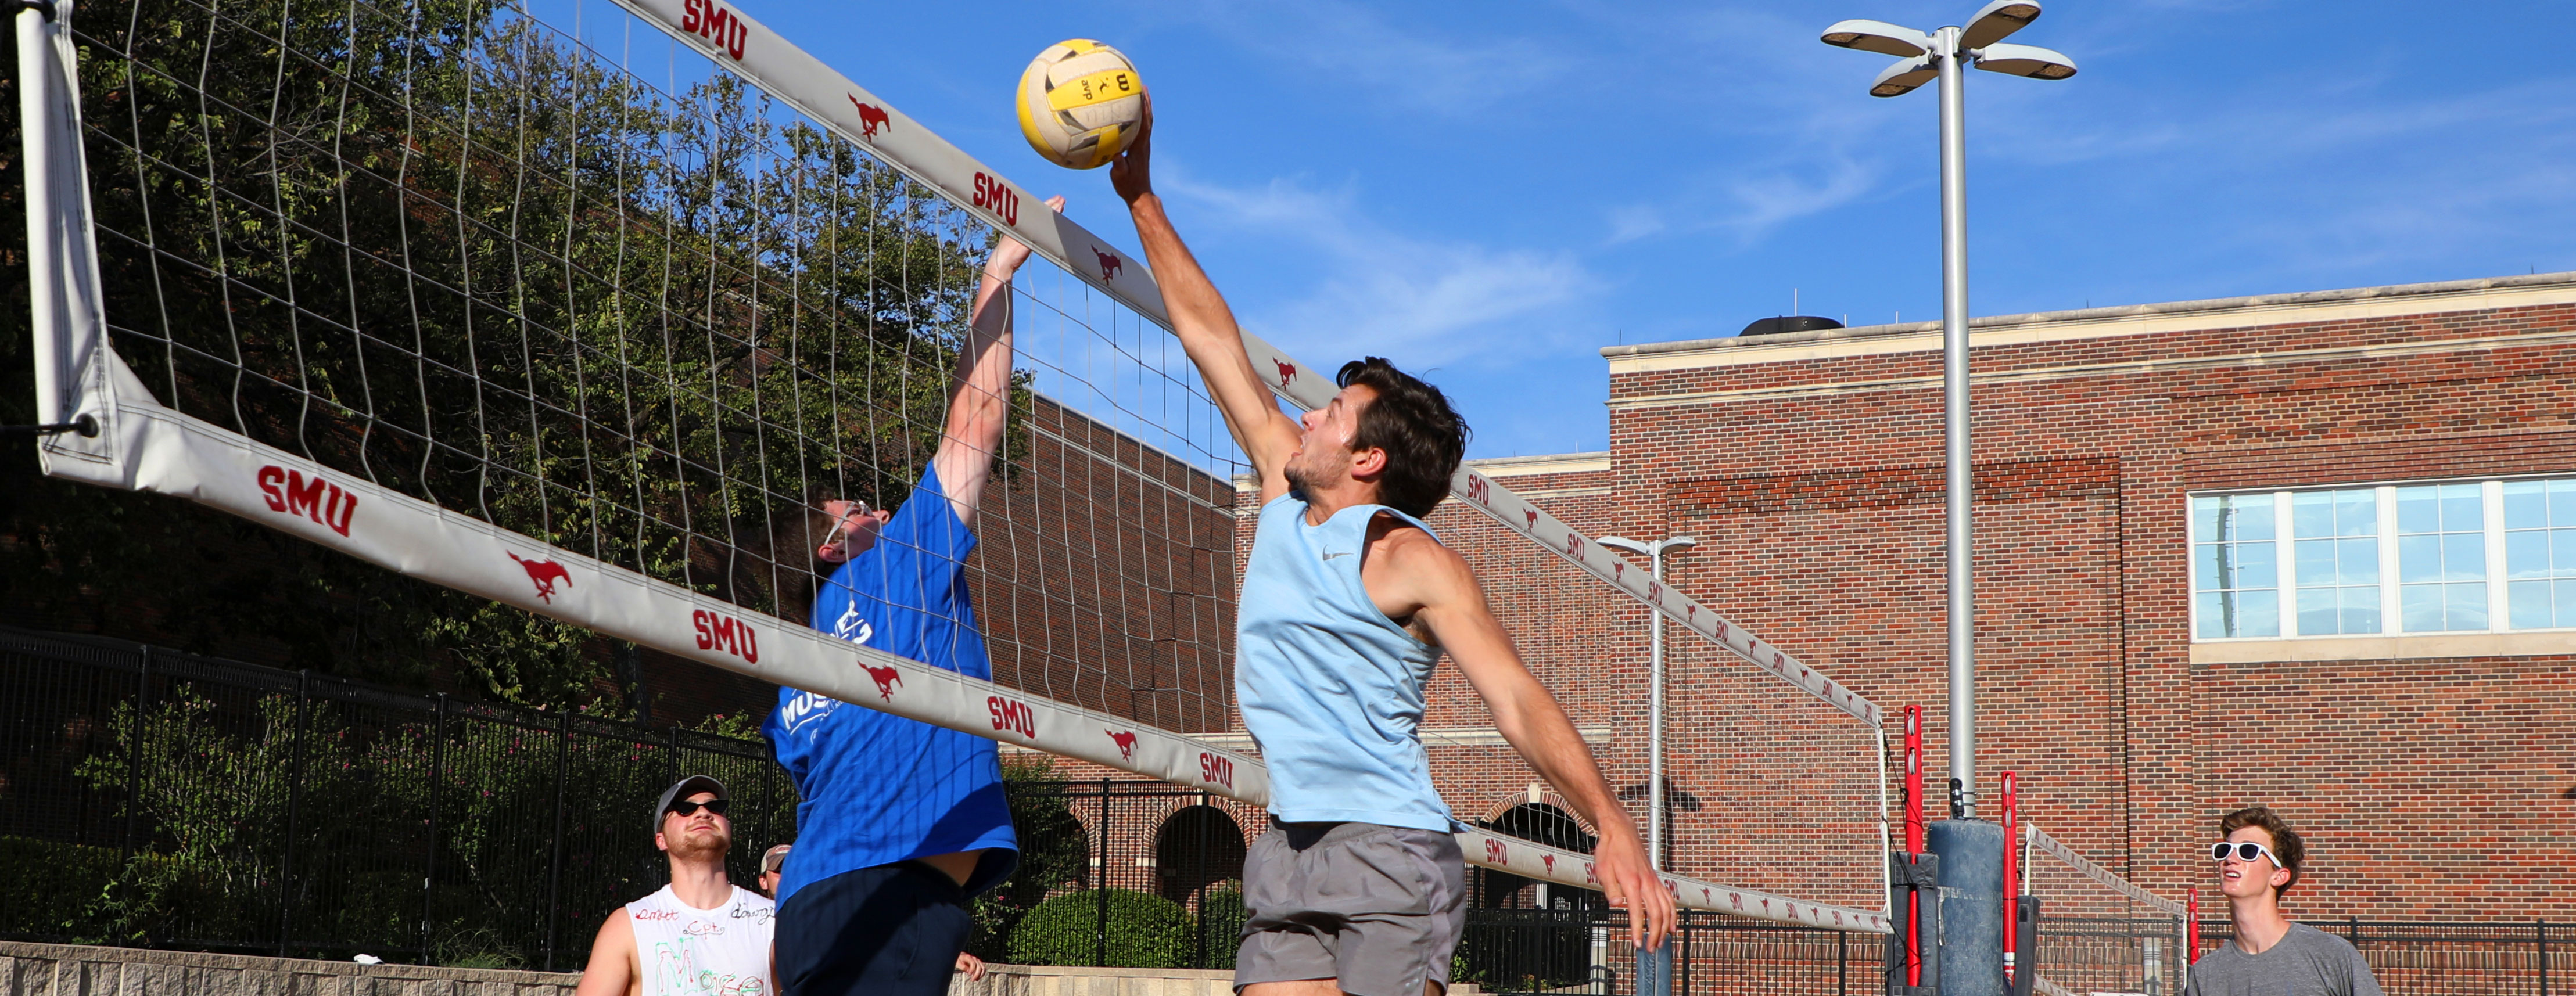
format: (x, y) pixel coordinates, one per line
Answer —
(1941, 55)
(1654, 554)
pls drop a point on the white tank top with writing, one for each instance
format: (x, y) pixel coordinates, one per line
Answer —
(685, 951)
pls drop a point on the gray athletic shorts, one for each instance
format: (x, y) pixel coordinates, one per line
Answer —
(1377, 908)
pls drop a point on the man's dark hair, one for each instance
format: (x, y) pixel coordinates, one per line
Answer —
(1413, 422)
(2286, 845)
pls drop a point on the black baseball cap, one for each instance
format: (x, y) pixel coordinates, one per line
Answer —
(683, 789)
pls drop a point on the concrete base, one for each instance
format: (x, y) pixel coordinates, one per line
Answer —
(79, 970)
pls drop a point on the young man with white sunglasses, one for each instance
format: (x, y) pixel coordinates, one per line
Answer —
(2271, 956)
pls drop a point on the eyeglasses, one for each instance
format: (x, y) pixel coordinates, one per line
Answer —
(716, 806)
(2242, 850)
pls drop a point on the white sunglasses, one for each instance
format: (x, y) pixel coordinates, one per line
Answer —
(2242, 850)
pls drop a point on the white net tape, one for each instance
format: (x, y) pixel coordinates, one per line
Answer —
(452, 292)
(2099, 933)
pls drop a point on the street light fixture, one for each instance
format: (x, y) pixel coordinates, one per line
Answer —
(1654, 553)
(1928, 56)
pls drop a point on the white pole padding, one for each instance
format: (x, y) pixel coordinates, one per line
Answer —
(65, 318)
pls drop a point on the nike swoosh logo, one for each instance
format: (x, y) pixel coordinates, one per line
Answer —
(1330, 556)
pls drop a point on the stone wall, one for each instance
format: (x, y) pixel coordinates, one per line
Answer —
(73, 970)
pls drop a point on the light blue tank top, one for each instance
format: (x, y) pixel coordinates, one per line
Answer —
(1329, 686)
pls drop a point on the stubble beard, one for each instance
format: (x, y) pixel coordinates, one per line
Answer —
(702, 847)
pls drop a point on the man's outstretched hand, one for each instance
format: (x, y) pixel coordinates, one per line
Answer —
(1631, 883)
(1129, 173)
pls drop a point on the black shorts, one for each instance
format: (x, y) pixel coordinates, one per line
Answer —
(892, 929)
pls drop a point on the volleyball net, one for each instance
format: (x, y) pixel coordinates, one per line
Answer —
(588, 310)
(2099, 933)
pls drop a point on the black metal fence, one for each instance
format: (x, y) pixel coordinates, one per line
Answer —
(2146, 954)
(160, 799)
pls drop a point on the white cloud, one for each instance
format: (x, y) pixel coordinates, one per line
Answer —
(1422, 302)
(1344, 44)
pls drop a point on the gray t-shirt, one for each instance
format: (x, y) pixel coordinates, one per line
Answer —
(2307, 962)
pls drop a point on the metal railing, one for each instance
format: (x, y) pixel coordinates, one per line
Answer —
(162, 799)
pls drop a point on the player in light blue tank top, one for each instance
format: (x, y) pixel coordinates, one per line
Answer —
(1329, 686)
(1348, 603)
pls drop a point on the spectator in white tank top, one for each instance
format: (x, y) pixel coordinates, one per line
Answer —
(700, 935)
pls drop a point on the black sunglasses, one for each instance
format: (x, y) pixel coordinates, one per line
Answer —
(716, 806)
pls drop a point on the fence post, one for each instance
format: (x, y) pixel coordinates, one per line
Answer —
(1100, 926)
(437, 777)
(294, 802)
(134, 751)
(554, 850)
(1842, 962)
(2540, 937)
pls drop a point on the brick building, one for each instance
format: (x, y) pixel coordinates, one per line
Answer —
(2373, 639)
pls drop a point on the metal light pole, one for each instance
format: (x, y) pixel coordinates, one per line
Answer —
(1931, 55)
(1972, 920)
(1654, 553)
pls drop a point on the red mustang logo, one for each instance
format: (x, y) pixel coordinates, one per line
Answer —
(1287, 372)
(1126, 743)
(543, 574)
(1110, 264)
(886, 678)
(871, 118)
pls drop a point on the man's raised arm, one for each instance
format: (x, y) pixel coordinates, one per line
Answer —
(1452, 605)
(1204, 324)
(979, 393)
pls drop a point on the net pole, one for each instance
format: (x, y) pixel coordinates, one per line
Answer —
(38, 91)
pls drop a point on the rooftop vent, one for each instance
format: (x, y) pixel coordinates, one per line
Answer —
(1789, 323)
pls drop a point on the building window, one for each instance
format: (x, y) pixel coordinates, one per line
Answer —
(2416, 557)
(2338, 551)
(2441, 557)
(2540, 553)
(2236, 578)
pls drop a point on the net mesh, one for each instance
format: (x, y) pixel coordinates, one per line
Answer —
(546, 269)
(582, 286)
(2098, 932)
(1764, 788)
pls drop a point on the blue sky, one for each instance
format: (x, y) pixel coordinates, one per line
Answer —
(1491, 192)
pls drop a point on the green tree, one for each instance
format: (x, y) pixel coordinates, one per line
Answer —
(442, 249)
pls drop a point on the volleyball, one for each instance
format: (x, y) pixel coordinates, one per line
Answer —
(1081, 102)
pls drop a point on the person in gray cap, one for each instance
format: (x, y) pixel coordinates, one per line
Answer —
(702, 934)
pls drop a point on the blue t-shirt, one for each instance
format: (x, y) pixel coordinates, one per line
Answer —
(879, 788)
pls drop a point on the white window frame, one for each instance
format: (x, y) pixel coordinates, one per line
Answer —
(2391, 622)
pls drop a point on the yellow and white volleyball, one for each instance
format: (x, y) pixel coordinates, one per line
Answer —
(1081, 102)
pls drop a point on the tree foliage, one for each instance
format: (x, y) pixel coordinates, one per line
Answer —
(442, 249)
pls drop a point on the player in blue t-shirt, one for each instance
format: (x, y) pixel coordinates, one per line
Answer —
(902, 822)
